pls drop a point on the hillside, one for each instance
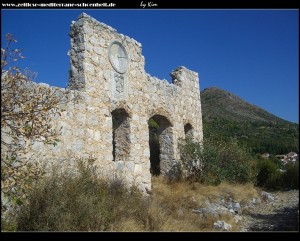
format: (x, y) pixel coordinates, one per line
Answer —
(226, 115)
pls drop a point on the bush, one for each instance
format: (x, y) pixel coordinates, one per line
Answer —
(68, 202)
(272, 176)
(290, 178)
(216, 161)
(191, 160)
(268, 174)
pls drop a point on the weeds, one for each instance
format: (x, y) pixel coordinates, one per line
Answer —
(83, 202)
(68, 202)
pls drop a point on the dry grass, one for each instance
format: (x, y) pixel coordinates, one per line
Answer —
(182, 193)
(179, 198)
(170, 208)
(84, 204)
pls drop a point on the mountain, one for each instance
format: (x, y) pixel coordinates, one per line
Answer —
(226, 115)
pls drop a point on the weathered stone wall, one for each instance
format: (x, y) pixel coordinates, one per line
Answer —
(128, 94)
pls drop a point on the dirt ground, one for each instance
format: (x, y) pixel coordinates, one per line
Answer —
(282, 214)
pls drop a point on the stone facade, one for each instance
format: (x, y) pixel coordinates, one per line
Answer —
(116, 99)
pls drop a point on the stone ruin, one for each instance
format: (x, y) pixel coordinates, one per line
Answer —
(117, 99)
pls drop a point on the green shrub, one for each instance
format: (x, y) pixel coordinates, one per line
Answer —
(191, 160)
(268, 175)
(290, 178)
(272, 175)
(216, 161)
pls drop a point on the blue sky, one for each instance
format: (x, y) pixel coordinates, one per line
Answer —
(251, 53)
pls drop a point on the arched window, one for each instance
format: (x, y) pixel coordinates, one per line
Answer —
(121, 135)
(161, 144)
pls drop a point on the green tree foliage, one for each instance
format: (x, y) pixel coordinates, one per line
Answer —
(268, 175)
(216, 161)
(273, 175)
(290, 178)
(261, 137)
(227, 116)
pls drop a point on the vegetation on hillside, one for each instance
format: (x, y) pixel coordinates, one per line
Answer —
(227, 116)
(214, 162)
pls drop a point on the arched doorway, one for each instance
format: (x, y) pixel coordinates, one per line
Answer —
(160, 144)
(121, 135)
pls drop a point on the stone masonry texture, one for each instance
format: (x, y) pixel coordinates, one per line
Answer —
(116, 99)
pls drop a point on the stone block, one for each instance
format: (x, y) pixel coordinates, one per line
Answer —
(130, 166)
(97, 135)
(138, 168)
(119, 165)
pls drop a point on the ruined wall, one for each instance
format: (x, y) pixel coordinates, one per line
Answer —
(107, 74)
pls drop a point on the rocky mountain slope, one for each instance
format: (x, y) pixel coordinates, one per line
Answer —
(226, 115)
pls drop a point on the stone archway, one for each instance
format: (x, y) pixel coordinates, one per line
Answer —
(121, 135)
(160, 144)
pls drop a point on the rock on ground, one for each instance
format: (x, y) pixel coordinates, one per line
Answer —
(280, 212)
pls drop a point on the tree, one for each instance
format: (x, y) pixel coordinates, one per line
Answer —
(26, 110)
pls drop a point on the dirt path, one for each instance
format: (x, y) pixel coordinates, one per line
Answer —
(282, 214)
